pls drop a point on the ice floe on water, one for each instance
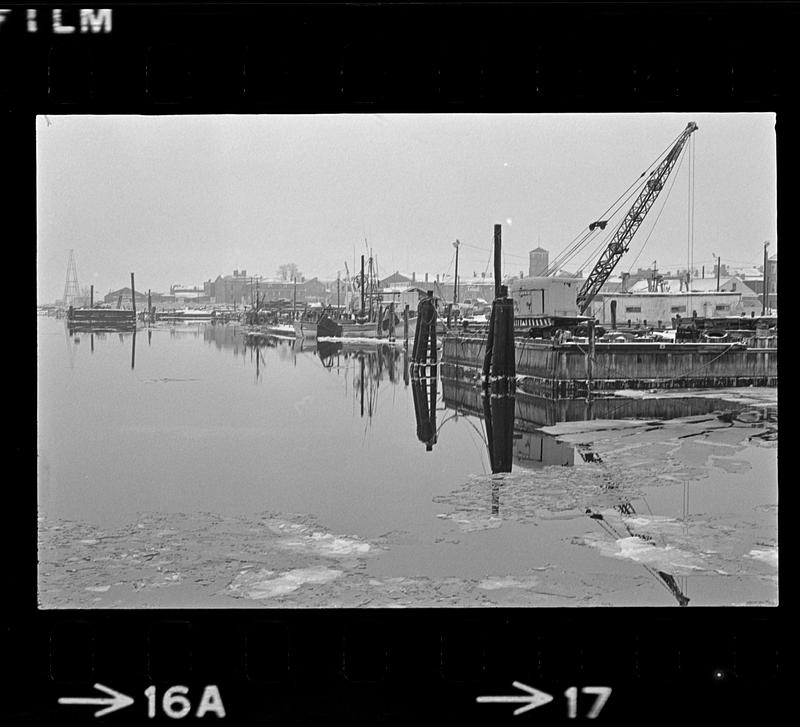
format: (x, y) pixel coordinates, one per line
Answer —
(269, 555)
(261, 584)
(664, 558)
(769, 556)
(493, 584)
(326, 544)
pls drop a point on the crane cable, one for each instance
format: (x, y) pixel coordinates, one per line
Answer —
(565, 257)
(573, 245)
(658, 216)
(690, 225)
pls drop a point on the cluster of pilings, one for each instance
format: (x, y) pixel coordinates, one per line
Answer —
(499, 367)
(424, 351)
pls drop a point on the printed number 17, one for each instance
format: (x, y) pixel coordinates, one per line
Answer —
(603, 693)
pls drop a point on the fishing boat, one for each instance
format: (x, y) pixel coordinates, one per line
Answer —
(329, 326)
(186, 314)
(279, 329)
(306, 325)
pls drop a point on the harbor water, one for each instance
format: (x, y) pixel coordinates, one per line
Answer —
(179, 466)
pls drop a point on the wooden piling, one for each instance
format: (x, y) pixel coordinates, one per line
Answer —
(500, 350)
(497, 261)
(391, 321)
(405, 325)
(425, 333)
(432, 336)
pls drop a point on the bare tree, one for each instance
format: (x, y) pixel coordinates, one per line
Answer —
(288, 271)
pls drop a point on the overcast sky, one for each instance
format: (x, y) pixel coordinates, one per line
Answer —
(182, 199)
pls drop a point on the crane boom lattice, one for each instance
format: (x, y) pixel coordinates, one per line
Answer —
(633, 219)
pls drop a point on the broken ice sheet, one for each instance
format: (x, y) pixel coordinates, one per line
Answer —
(261, 585)
(665, 558)
(766, 556)
(326, 544)
(497, 582)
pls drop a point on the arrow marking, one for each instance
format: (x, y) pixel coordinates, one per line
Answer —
(535, 698)
(115, 700)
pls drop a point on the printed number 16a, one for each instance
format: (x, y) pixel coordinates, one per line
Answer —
(603, 693)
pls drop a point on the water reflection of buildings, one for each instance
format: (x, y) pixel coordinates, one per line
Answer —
(363, 368)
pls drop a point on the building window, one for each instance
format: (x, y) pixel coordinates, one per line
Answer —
(633, 309)
(678, 309)
(722, 307)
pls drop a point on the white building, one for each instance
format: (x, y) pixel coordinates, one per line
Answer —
(547, 296)
(660, 308)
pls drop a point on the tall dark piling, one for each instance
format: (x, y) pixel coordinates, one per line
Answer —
(425, 334)
(405, 325)
(498, 259)
(391, 321)
(498, 361)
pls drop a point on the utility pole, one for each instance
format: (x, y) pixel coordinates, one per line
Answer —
(363, 285)
(456, 245)
(719, 266)
(764, 295)
(337, 290)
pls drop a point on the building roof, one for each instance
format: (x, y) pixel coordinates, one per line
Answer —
(710, 284)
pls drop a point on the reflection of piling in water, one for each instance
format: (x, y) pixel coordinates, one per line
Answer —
(133, 350)
(424, 390)
(424, 351)
(498, 411)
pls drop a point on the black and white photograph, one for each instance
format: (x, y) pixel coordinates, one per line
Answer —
(327, 361)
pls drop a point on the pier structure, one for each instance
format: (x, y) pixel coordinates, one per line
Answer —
(567, 369)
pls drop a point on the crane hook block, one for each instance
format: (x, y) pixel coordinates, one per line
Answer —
(600, 223)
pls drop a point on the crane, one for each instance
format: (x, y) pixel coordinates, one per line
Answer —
(627, 228)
